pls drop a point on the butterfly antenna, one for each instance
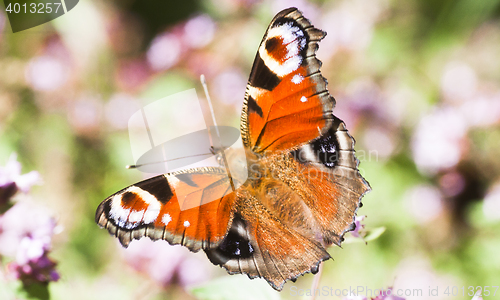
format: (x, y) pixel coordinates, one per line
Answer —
(219, 140)
(211, 108)
(163, 161)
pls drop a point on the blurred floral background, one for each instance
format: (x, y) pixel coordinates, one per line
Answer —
(417, 82)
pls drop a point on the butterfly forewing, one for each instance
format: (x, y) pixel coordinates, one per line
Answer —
(192, 208)
(286, 102)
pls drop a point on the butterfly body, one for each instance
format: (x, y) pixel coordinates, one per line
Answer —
(296, 191)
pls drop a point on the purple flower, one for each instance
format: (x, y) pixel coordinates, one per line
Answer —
(11, 180)
(47, 73)
(37, 270)
(26, 234)
(25, 230)
(164, 52)
(359, 227)
(25, 220)
(438, 140)
(199, 31)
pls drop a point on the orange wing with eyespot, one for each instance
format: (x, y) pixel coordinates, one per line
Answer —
(287, 103)
(193, 208)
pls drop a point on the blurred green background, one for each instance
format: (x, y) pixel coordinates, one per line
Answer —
(417, 82)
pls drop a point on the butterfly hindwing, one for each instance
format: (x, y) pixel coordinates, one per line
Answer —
(261, 244)
(286, 103)
(292, 208)
(193, 208)
(329, 182)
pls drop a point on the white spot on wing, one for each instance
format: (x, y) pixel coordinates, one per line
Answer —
(297, 79)
(135, 216)
(151, 214)
(186, 224)
(166, 219)
(311, 156)
(307, 154)
(254, 93)
(303, 99)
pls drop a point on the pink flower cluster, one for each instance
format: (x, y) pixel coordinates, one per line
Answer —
(35, 269)
(11, 180)
(25, 230)
(167, 48)
(357, 232)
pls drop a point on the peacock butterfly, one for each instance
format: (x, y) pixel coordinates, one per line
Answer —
(303, 188)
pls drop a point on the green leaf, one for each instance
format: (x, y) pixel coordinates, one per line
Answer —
(371, 235)
(235, 287)
(374, 234)
(34, 291)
